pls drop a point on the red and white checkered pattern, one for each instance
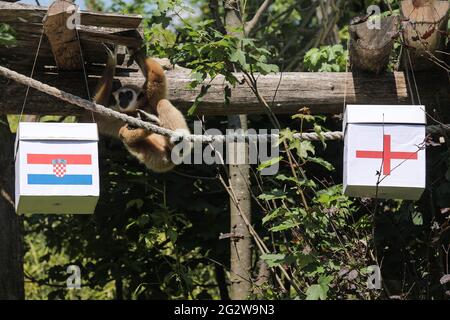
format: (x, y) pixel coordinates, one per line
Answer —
(59, 169)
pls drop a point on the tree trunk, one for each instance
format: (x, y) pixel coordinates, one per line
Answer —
(241, 243)
(11, 250)
(424, 25)
(370, 49)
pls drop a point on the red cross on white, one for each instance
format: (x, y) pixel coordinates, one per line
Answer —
(386, 155)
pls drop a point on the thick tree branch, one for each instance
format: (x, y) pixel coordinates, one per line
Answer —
(251, 25)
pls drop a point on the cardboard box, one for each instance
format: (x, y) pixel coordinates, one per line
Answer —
(56, 168)
(384, 147)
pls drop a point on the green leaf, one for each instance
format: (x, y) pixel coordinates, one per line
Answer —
(199, 99)
(6, 35)
(173, 235)
(417, 218)
(304, 260)
(289, 224)
(143, 220)
(318, 130)
(313, 56)
(278, 212)
(273, 260)
(238, 56)
(265, 68)
(306, 117)
(269, 163)
(138, 203)
(316, 292)
(273, 195)
(303, 147)
(319, 291)
(284, 178)
(322, 162)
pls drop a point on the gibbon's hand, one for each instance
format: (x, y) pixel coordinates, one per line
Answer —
(131, 136)
(111, 50)
(145, 116)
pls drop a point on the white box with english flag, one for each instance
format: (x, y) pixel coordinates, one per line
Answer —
(384, 151)
(56, 168)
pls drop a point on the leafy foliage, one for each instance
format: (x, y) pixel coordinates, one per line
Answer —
(326, 59)
(157, 236)
(6, 35)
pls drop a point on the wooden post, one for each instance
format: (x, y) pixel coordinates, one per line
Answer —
(11, 233)
(241, 241)
(370, 49)
(424, 24)
(60, 28)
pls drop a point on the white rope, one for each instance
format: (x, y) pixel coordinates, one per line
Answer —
(92, 106)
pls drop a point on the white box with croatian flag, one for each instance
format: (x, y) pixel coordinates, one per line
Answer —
(384, 151)
(56, 168)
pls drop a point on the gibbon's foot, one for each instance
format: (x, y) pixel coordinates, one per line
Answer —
(132, 136)
(148, 117)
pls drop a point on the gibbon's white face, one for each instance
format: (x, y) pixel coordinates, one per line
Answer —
(127, 99)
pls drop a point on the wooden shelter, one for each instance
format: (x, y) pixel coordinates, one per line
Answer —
(63, 51)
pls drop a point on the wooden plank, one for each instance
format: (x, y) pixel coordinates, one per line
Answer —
(63, 40)
(21, 56)
(99, 35)
(323, 93)
(370, 48)
(111, 20)
(424, 25)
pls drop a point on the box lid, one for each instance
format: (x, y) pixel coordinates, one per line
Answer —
(57, 131)
(388, 114)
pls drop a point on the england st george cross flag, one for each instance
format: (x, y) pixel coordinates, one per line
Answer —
(59, 169)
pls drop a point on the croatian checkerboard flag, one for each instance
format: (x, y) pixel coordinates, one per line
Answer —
(59, 169)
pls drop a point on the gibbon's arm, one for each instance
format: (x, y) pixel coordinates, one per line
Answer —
(103, 92)
(170, 117)
(155, 85)
(151, 149)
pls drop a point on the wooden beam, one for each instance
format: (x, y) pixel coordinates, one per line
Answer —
(370, 48)
(424, 24)
(323, 93)
(63, 40)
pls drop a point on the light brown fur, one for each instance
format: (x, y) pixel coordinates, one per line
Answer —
(151, 149)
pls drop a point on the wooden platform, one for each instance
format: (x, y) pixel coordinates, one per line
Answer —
(96, 28)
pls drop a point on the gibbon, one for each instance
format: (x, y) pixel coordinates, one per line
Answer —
(148, 103)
